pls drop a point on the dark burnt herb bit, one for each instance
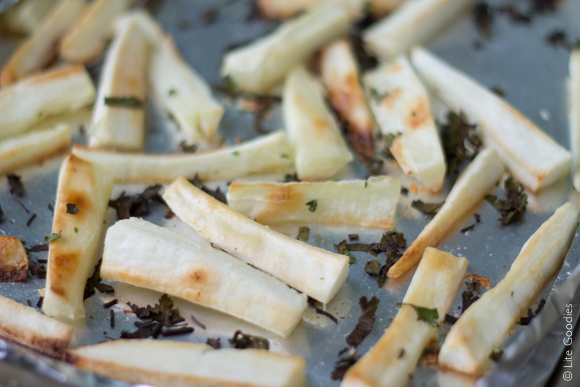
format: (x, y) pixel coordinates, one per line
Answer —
(373, 267)
(125, 102)
(187, 148)
(36, 269)
(353, 237)
(303, 233)
(243, 341)
(342, 248)
(94, 282)
(530, 315)
(177, 331)
(429, 209)
(557, 38)
(30, 220)
(53, 237)
(312, 303)
(460, 140)
(112, 318)
(16, 186)
(137, 205)
(289, 178)
(513, 208)
(72, 209)
(468, 228)
(365, 322)
(470, 295)
(1, 214)
(344, 363)
(450, 319)
(498, 91)
(197, 322)
(214, 343)
(496, 354)
(312, 205)
(216, 194)
(210, 16)
(428, 315)
(401, 353)
(483, 17)
(40, 302)
(114, 301)
(38, 248)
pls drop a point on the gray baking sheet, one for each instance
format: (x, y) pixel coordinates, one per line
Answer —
(515, 58)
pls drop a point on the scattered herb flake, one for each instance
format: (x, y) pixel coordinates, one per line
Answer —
(214, 343)
(373, 267)
(114, 301)
(38, 248)
(342, 248)
(53, 237)
(498, 91)
(236, 153)
(243, 341)
(460, 140)
(424, 314)
(513, 208)
(450, 319)
(353, 237)
(496, 354)
(30, 220)
(125, 102)
(429, 209)
(289, 178)
(94, 282)
(344, 363)
(72, 209)
(112, 318)
(198, 323)
(401, 353)
(365, 321)
(303, 233)
(284, 156)
(312, 205)
(137, 205)
(177, 331)
(468, 228)
(36, 268)
(186, 148)
(483, 17)
(375, 95)
(172, 92)
(470, 295)
(16, 186)
(312, 303)
(76, 230)
(216, 194)
(530, 315)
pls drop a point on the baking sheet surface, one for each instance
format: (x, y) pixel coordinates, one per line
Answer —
(515, 58)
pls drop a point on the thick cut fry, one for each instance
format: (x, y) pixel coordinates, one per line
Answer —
(319, 149)
(483, 326)
(470, 188)
(394, 358)
(82, 198)
(382, 7)
(24, 325)
(57, 91)
(170, 363)
(143, 254)
(531, 155)
(414, 22)
(340, 74)
(574, 116)
(30, 148)
(88, 37)
(283, 9)
(26, 16)
(38, 50)
(184, 93)
(118, 117)
(13, 260)
(309, 269)
(263, 64)
(401, 107)
(369, 203)
(266, 154)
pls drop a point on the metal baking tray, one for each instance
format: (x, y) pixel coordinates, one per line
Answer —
(515, 58)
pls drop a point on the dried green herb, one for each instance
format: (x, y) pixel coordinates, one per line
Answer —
(344, 363)
(387, 141)
(243, 341)
(303, 233)
(365, 322)
(53, 237)
(429, 209)
(172, 92)
(470, 295)
(216, 194)
(460, 141)
(236, 153)
(125, 102)
(312, 205)
(342, 248)
(72, 209)
(513, 208)
(290, 178)
(76, 230)
(16, 186)
(428, 315)
(375, 95)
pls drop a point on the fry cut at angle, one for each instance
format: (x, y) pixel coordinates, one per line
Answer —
(483, 326)
(340, 74)
(470, 188)
(170, 363)
(143, 254)
(574, 115)
(61, 90)
(530, 155)
(414, 22)
(82, 198)
(88, 37)
(33, 147)
(263, 64)
(342, 202)
(318, 147)
(119, 113)
(39, 49)
(429, 297)
(311, 270)
(402, 109)
(24, 325)
(13, 260)
(265, 154)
